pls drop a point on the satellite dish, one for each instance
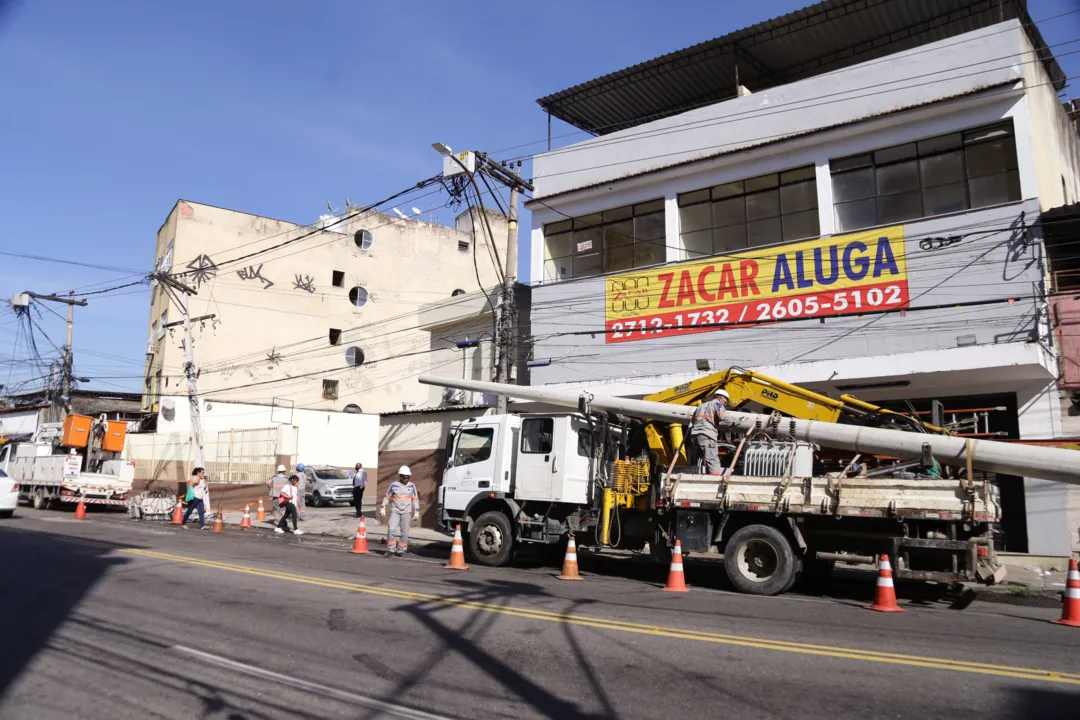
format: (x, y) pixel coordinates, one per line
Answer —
(417, 211)
(400, 214)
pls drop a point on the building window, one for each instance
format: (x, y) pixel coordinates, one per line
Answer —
(764, 210)
(620, 239)
(337, 279)
(353, 409)
(335, 336)
(463, 246)
(330, 389)
(949, 173)
(457, 292)
(358, 296)
(354, 356)
(162, 324)
(363, 239)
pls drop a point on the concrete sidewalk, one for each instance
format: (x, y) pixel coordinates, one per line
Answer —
(341, 521)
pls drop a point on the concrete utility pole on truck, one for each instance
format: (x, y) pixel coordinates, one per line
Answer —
(779, 512)
(506, 333)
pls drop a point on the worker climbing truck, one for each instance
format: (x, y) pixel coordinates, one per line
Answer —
(517, 479)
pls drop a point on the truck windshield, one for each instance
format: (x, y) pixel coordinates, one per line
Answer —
(473, 445)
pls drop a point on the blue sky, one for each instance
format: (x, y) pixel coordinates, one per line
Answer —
(113, 110)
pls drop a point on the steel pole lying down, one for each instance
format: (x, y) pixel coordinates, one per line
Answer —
(1055, 464)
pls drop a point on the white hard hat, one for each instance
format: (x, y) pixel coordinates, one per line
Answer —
(404, 470)
(723, 394)
(281, 468)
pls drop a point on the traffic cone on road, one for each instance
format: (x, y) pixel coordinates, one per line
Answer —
(178, 513)
(885, 596)
(457, 553)
(80, 511)
(359, 546)
(1070, 601)
(676, 581)
(245, 522)
(219, 521)
(569, 566)
(260, 516)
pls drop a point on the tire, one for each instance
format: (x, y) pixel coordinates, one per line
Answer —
(38, 500)
(759, 560)
(318, 501)
(490, 540)
(7, 514)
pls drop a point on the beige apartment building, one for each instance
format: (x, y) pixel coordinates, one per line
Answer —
(344, 319)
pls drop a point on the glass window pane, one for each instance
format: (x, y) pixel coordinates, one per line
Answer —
(551, 271)
(855, 215)
(942, 169)
(764, 232)
(945, 199)
(588, 220)
(900, 206)
(649, 254)
(727, 190)
(618, 234)
(762, 182)
(589, 241)
(537, 435)
(897, 178)
(619, 258)
(618, 213)
(985, 133)
(729, 239)
(588, 265)
(990, 158)
(800, 196)
(697, 244)
(695, 217)
(851, 162)
(557, 227)
(801, 225)
(995, 189)
(940, 143)
(560, 245)
(892, 154)
(729, 212)
(649, 207)
(803, 173)
(853, 185)
(693, 197)
(650, 227)
(763, 205)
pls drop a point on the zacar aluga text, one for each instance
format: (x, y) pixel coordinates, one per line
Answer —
(838, 275)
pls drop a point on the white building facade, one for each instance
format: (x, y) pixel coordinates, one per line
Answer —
(872, 227)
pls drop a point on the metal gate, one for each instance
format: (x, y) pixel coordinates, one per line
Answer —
(247, 456)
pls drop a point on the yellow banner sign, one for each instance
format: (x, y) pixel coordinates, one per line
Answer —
(838, 275)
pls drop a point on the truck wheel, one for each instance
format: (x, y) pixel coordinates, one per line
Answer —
(38, 500)
(490, 540)
(759, 561)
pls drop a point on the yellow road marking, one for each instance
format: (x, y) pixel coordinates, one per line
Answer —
(614, 625)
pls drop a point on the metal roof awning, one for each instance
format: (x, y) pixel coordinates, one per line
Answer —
(821, 38)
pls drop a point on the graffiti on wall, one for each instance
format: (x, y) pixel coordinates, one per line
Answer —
(202, 270)
(254, 273)
(304, 282)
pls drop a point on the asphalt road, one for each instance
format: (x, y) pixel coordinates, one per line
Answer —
(111, 619)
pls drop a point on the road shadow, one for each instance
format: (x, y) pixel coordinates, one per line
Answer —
(47, 576)
(1041, 704)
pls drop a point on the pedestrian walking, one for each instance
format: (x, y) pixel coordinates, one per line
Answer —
(359, 483)
(197, 494)
(404, 503)
(301, 498)
(287, 501)
(277, 481)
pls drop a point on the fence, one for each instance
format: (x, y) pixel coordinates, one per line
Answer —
(247, 456)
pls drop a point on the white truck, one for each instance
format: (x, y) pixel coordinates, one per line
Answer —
(49, 474)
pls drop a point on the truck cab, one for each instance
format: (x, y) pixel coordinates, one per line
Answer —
(511, 477)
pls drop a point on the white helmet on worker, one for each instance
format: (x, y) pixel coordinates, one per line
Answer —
(281, 468)
(723, 394)
(405, 471)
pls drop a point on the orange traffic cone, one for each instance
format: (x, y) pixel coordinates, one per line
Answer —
(569, 565)
(885, 597)
(219, 521)
(260, 516)
(80, 511)
(457, 553)
(359, 546)
(1070, 601)
(245, 522)
(676, 581)
(178, 513)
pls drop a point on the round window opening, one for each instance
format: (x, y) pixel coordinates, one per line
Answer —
(358, 296)
(354, 356)
(363, 239)
(457, 292)
(353, 408)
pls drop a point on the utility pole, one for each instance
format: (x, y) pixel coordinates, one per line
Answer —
(179, 292)
(61, 403)
(506, 321)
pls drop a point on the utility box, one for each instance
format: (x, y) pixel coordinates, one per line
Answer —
(76, 431)
(115, 434)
